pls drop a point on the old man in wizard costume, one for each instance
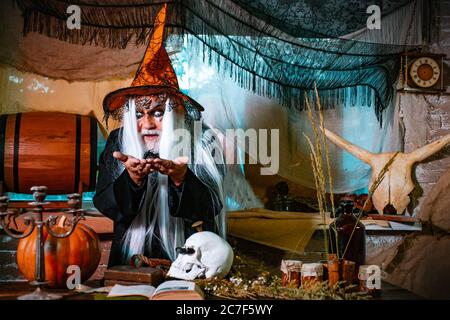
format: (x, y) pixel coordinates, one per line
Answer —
(154, 196)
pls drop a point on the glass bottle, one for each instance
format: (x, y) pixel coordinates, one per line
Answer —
(342, 229)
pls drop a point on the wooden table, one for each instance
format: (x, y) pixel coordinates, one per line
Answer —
(256, 255)
(10, 291)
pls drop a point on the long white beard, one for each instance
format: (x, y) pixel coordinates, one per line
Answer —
(150, 148)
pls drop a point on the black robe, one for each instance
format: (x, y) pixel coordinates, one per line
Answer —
(120, 199)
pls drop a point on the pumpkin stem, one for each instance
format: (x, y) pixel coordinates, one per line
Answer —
(61, 221)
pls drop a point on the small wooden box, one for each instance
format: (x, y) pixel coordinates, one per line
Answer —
(133, 275)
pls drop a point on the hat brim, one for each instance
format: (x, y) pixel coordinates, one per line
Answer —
(117, 99)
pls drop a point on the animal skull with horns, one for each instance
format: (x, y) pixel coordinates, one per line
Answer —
(397, 184)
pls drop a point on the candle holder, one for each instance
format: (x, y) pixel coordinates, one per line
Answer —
(34, 219)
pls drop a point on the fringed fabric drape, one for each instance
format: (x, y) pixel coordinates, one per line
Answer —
(316, 19)
(235, 37)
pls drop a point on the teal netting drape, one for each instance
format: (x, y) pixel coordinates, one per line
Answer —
(318, 18)
(242, 40)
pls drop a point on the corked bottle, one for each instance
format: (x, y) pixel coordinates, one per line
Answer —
(342, 240)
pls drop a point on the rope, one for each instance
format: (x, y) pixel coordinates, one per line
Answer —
(138, 260)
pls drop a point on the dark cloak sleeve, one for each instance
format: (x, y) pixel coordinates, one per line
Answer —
(194, 201)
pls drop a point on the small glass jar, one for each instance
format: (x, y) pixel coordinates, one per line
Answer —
(340, 270)
(290, 273)
(312, 274)
(363, 275)
(333, 267)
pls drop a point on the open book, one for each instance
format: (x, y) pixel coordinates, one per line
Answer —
(169, 290)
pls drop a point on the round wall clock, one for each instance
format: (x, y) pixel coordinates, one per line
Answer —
(425, 72)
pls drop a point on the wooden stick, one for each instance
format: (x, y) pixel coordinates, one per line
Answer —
(388, 217)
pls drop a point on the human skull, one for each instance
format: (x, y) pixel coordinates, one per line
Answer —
(204, 255)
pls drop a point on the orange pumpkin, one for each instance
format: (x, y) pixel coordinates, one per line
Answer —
(81, 248)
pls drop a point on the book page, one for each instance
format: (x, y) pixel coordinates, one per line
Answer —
(175, 285)
(138, 290)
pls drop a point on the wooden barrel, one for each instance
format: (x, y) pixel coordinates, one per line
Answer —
(53, 149)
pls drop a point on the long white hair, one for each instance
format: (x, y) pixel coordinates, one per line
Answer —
(204, 149)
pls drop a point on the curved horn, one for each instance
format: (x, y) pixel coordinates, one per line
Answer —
(430, 149)
(358, 152)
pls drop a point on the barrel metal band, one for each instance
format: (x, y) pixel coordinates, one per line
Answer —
(77, 153)
(93, 167)
(3, 119)
(16, 152)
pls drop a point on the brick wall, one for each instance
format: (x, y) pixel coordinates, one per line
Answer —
(105, 245)
(8, 265)
(442, 34)
(426, 118)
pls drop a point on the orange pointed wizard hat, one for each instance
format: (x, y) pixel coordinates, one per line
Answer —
(155, 75)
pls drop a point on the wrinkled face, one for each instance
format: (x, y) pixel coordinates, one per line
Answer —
(149, 114)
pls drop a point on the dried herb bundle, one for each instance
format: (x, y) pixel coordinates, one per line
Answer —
(323, 177)
(267, 286)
